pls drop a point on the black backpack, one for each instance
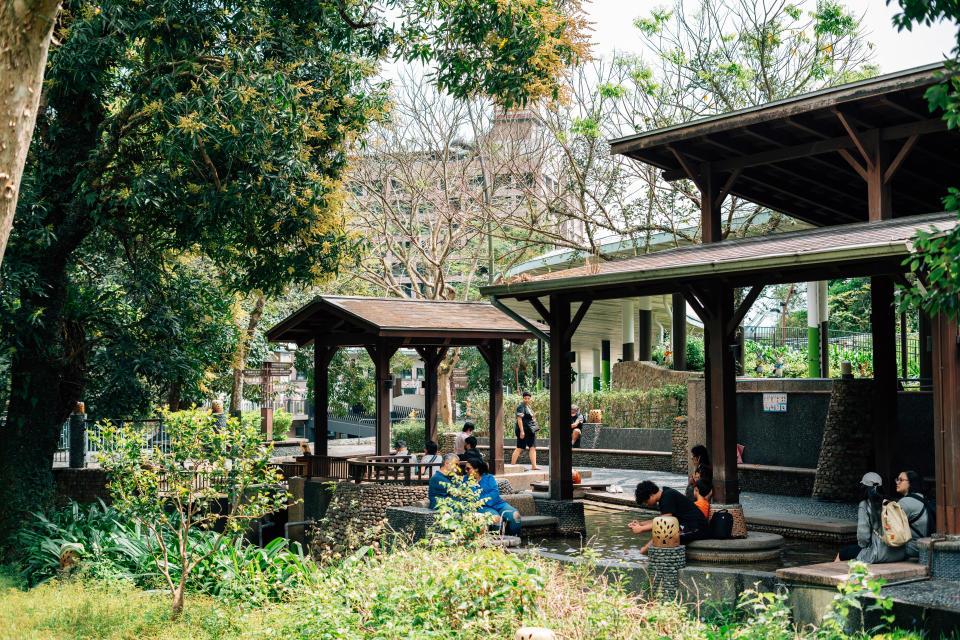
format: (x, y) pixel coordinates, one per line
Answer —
(721, 525)
(929, 507)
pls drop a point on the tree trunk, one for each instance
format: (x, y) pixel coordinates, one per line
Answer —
(25, 31)
(447, 400)
(177, 602)
(173, 398)
(45, 383)
(243, 350)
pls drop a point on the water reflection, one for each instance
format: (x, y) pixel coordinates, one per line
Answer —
(610, 539)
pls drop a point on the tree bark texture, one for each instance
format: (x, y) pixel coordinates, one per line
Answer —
(26, 27)
(447, 399)
(236, 393)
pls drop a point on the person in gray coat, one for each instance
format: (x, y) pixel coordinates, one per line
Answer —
(870, 547)
(910, 486)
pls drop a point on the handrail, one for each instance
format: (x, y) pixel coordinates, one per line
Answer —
(391, 470)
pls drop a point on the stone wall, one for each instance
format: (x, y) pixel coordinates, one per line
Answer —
(779, 481)
(644, 376)
(679, 448)
(80, 485)
(847, 444)
(357, 513)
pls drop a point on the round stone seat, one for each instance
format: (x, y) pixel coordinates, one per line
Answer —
(756, 547)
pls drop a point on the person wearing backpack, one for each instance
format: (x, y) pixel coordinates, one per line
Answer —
(915, 507)
(871, 547)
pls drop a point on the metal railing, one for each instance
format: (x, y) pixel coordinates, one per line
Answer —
(795, 338)
(156, 437)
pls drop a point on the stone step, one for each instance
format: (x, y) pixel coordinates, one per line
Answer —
(522, 481)
(830, 574)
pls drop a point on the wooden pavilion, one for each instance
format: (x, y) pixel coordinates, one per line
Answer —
(384, 325)
(866, 163)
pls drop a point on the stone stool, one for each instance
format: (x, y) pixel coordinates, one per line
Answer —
(666, 556)
(735, 510)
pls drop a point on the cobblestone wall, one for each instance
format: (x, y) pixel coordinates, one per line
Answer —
(644, 376)
(81, 485)
(679, 446)
(780, 482)
(846, 452)
(357, 514)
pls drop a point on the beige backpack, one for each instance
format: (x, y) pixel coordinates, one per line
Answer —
(896, 525)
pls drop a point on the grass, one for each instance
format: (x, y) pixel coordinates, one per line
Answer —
(81, 610)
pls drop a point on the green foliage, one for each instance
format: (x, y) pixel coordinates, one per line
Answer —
(459, 522)
(171, 494)
(849, 602)
(282, 421)
(410, 431)
(936, 288)
(849, 302)
(696, 355)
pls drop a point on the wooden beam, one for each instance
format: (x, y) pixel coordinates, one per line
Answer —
(725, 190)
(883, 323)
(493, 354)
(561, 456)
(539, 308)
(853, 163)
(855, 136)
(321, 397)
(946, 420)
(899, 158)
(744, 307)
(678, 334)
(577, 319)
(691, 174)
(698, 307)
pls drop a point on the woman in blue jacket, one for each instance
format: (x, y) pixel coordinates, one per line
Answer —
(506, 516)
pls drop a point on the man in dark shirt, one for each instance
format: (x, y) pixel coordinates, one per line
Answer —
(526, 431)
(470, 450)
(693, 524)
(440, 481)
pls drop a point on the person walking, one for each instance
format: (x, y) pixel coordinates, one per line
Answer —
(526, 431)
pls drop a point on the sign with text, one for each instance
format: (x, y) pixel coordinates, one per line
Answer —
(775, 402)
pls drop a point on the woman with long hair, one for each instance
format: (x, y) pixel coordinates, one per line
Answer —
(870, 547)
(702, 471)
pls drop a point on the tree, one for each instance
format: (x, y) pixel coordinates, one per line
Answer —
(211, 476)
(936, 261)
(699, 60)
(25, 30)
(220, 130)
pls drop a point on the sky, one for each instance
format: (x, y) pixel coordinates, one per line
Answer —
(894, 51)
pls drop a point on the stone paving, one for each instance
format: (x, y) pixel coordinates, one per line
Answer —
(627, 479)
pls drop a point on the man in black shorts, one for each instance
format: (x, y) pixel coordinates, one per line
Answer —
(693, 524)
(526, 431)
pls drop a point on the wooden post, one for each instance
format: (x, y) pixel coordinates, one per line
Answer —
(678, 332)
(644, 338)
(904, 370)
(925, 350)
(720, 386)
(883, 321)
(321, 396)
(381, 354)
(946, 421)
(561, 450)
(431, 357)
(492, 352)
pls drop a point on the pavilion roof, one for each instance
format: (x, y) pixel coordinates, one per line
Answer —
(864, 248)
(360, 321)
(794, 155)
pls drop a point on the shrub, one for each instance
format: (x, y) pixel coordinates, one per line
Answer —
(282, 421)
(412, 432)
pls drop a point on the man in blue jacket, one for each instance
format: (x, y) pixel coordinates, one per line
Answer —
(440, 482)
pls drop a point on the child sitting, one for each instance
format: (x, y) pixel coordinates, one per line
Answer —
(702, 492)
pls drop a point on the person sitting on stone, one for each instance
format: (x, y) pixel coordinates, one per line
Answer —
(430, 455)
(459, 442)
(700, 460)
(670, 502)
(440, 481)
(506, 517)
(870, 547)
(702, 494)
(404, 452)
(470, 450)
(914, 505)
(576, 422)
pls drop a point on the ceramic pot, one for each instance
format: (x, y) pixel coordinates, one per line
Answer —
(666, 532)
